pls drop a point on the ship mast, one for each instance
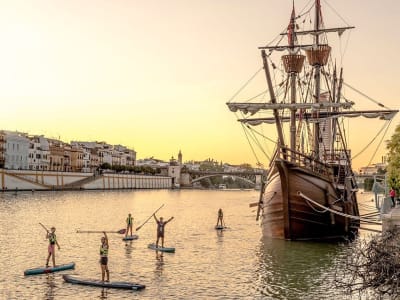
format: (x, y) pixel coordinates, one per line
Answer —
(317, 77)
(293, 64)
(281, 142)
(318, 57)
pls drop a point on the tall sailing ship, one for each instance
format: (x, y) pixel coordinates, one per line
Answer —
(310, 192)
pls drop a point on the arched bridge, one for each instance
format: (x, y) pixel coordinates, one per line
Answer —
(251, 177)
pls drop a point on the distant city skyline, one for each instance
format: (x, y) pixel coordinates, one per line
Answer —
(155, 75)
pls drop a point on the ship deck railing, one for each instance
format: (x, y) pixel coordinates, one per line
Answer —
(305, 161)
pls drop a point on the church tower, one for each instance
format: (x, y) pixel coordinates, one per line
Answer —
(180, 157)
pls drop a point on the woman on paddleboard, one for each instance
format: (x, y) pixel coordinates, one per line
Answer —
(160, 229)
(104, 257)
(129, 223)
(51, 236)
(220, 217)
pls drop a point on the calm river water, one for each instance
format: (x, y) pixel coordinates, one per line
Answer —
(234, 264)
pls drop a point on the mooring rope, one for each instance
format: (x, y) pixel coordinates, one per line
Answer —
(336, 212)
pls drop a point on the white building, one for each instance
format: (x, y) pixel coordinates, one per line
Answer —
(86, 159)
(174, 171)
(128, 156)
(16, 151)
(38, 153)
(192, 166)
(105, 156)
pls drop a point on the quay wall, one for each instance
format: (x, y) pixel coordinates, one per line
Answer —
(126, 181)
(51, 180)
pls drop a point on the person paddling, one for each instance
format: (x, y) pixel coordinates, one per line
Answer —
(160, 229)
(104, 257)
(51, 236)
(129, 223)
(220, 217)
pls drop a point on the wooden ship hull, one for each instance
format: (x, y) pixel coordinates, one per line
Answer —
(310, 191)
(288, 215)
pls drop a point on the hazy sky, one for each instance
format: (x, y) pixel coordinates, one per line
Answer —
(155, 74)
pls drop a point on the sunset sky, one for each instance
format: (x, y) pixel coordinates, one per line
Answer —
(155, 75)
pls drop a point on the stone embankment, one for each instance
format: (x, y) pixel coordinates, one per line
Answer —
(12, 180)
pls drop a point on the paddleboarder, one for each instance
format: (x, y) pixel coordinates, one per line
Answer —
(160, 229)
(129, 223)
(51, 236)
(220, 217)
(104, 257)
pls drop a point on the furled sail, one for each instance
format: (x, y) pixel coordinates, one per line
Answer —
(313, 118)
(253, 108)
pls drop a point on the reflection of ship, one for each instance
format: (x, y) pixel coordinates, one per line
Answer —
(311, 190)
(295, 270)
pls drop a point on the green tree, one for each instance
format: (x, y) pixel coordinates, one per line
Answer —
(246, 166)
(393, 170)
(210, 165)
(105, 166)
(381, 171)
(137, 169)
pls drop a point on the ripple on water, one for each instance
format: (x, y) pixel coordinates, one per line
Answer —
(208, 264)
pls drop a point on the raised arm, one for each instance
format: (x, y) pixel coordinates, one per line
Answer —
(105, 236)
(155, 218)
(170, 219)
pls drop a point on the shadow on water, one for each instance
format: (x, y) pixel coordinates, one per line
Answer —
(220, 235)
(159, 264)
(103, 294)
(295, 270)
(51, 285)
(128, 249)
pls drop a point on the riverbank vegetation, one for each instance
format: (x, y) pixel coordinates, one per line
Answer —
(393, 147)
(371, 267)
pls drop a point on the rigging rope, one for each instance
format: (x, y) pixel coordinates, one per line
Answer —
(247, 82)
(252, 149)
(259, 146)
(366, 96)
(326, 2)
(380, 142)
(269, 139)
(306, 12)
(369, 144)
(334, 211)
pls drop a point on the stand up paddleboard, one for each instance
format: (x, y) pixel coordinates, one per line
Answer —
(130, 237)
(103, 284)
(162, 249)
(219, 227)
(44, 270)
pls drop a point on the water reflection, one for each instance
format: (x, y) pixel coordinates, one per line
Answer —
(159, 263)
(50, 284)
(292, 270)
(210, 264)
(128, 249)
(220, 235)
(104, 293)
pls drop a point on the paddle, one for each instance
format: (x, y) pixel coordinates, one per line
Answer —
(44, 227)
(149, 218)
(121, 231)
